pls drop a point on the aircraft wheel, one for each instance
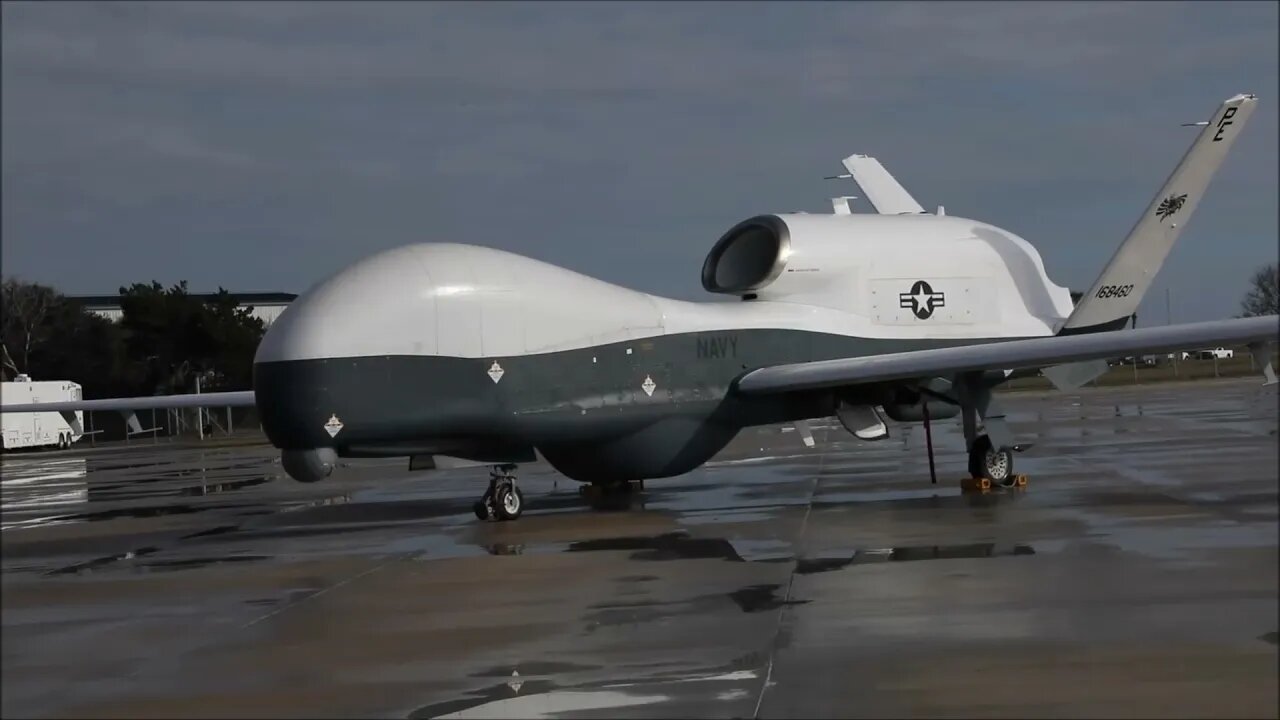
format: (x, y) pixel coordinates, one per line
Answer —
(986, 461)
(613, 488)
(481, 509)
(509, 502)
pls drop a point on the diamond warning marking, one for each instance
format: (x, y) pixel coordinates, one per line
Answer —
(496, 372)
(515, 683)
(334, 426)
(648, 386)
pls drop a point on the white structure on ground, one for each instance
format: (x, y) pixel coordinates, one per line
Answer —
(39, 429)
(267, 306)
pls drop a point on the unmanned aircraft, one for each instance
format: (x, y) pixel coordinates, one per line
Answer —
(440, 351)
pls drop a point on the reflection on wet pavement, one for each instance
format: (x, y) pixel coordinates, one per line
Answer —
(907, 554)
(174, 581)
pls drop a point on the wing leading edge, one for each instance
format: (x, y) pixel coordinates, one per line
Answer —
(237, 398)
(1006, 355)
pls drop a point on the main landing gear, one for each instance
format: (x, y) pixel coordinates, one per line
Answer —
(986, 461)
(503, 500)
(991, 466)
(991, 453)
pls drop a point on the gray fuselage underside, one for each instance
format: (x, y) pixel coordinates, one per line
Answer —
(586, 410)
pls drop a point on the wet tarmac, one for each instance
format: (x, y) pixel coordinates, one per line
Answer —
(1136, 575)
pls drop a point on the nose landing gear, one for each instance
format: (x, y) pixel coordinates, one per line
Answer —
(503, 500)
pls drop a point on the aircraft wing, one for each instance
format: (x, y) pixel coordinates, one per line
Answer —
(883, 191)
(1009, 355)
(237, 398)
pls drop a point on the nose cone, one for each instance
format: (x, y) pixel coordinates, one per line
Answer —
(377, 306)
(319, 370)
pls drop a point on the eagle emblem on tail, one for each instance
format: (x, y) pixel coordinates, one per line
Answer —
(1170, 205)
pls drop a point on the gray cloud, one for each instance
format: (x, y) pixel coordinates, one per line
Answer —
(263, 145)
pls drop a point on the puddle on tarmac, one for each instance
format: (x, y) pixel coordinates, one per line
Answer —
(483, 696)
(1183, 542)
(1271, 637)
(220, 530)
(191, 563)
(103, 561)
(519, 696)
(179, 564)
(930, 497)
(505, 549)
(213, 488)
(134, 512)
(761, 598)
(533, 669)
(724, 517)
(637, 578)
(292, 597)
(681, 546)
(668, 546)
(146, 512)
(144, 488)
(762, 550)
(750, 599)
(810, 566)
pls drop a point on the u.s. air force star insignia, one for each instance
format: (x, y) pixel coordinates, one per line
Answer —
(922, 300)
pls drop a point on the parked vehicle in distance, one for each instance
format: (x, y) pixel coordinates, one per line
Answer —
(38, 429)
(1220, 353)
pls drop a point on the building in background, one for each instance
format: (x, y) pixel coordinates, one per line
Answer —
(267, 306)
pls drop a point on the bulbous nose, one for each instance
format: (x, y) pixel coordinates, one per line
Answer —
(374, 307)
(317, 365)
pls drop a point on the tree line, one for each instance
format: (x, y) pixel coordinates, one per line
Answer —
(165, 340)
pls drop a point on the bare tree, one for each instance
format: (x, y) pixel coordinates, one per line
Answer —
(23, 309)
(1263, 297)
(8, 369)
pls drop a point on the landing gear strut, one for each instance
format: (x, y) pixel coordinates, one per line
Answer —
(503, 500)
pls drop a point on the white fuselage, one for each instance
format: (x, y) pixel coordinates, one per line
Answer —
(844, 275)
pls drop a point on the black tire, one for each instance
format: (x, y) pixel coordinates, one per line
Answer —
(481, 510)
(508, 502)
(614, 488)
(987, 462)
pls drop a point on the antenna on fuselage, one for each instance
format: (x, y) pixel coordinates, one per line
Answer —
(841, 205)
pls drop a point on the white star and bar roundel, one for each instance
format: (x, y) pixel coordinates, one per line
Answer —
(922, 300)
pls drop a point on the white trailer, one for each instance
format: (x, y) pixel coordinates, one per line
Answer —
(39, 429)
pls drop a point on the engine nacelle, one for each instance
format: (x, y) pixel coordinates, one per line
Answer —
(777, 253)
(866, 264)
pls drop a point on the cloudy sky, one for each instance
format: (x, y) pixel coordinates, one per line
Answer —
(262, 146)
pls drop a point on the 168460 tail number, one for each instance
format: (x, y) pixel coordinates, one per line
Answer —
(1114, 291)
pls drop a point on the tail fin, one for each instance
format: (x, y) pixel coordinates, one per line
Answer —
(1118, 290)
